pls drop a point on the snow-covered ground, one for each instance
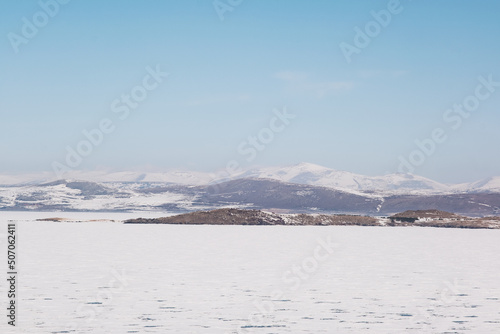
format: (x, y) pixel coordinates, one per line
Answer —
(106, 277)
(123, 197)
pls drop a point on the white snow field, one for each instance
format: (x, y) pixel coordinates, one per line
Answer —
(109, 277)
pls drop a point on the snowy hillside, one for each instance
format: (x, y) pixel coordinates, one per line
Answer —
(303, 173)
(176, 177)
(89, 196)
(491, 184)
(252, 193)
(311, 174)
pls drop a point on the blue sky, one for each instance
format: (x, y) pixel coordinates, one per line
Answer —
(227, 76)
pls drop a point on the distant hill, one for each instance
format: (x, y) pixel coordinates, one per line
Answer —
(248, 193)
(262, 193)
(315, 175)
(302, 173)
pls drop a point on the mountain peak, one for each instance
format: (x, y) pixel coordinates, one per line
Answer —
(307, 166)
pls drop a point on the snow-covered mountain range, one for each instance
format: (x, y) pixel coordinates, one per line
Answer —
(398, 183)
(303, 173)
(311, 174)
(300, 188)
(177, 177)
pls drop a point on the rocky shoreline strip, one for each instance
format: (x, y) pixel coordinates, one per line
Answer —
(422, 218)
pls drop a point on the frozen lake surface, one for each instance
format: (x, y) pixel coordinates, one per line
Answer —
(106, 277)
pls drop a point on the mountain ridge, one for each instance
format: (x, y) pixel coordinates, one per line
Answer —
(248, 193)
(302, 173)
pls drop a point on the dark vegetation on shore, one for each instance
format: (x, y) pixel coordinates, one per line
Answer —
(423, 218)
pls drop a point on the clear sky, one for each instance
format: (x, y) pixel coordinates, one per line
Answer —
(64, 66)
